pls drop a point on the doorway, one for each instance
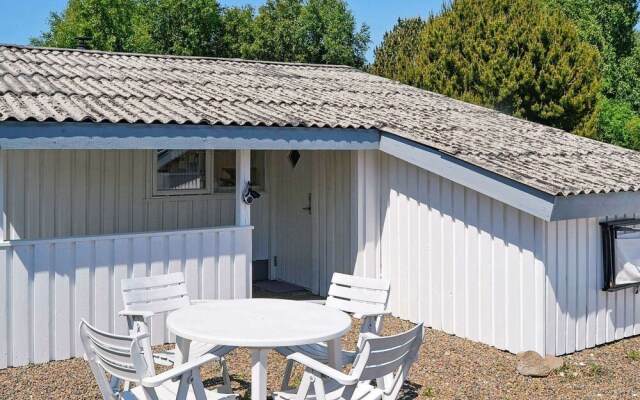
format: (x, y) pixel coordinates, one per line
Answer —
(291, 256)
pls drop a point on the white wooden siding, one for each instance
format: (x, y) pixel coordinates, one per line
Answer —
(328, 177)
(47, 286)
(62, 193)
(333, 194)
(460, 261)
(365, 213)
(579, 314)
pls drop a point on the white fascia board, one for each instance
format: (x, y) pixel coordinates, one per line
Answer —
(595, 205)
(515, 194)
(107, 136)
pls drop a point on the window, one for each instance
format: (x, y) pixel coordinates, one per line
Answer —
(193, 172)
(180, 172)
(224, 170)
(621, 254)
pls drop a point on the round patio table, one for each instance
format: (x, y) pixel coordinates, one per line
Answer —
(259, 324)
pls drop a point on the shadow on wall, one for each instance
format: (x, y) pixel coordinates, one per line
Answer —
(460, 261)
(475, 267)
(579, 314)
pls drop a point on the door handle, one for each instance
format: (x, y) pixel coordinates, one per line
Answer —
(308, 208)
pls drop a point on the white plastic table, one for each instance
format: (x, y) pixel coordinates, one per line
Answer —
(259, 324)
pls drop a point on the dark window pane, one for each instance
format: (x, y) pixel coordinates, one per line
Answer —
(224, 170)
(181, 170)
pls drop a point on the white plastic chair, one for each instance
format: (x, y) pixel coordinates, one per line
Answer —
(386, 360)
(148, 296)
(365, 298)
(123, 358)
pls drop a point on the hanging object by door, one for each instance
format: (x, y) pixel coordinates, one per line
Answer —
(294, 157)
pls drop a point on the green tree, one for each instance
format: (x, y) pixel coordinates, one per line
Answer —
(609, 25)
(400, 47)
(619, 123)
(329, 35)
(238, 32)
(108, 22)
(315, 31)
(511, 55)
(277, 28)
(181, 27)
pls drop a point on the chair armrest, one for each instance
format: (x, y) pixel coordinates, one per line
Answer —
(132, 313)
(157, 380)
(317, 366)
(368, 335)
(372, 314)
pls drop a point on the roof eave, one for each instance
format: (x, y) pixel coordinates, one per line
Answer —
(546, 206)
(112, 136)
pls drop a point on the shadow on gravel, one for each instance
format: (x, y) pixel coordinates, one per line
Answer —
(409, 390)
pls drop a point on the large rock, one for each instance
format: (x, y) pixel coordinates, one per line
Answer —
(554, 362)
(532, 364)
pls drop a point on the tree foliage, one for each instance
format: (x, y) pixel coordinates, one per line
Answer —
(108, 22)
(184, 27)
(619, 123)
(511, 55)
(315, 31)
(400, 48)
(609, 25)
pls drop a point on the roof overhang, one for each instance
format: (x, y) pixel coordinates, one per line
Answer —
(538, 203)
(108, 136)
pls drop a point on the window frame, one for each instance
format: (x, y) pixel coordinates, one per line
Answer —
(157, 192)
(609, 231)
(209, 190)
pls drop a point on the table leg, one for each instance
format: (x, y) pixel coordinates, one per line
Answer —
(259, 374)
(335, 353)
(181, 351)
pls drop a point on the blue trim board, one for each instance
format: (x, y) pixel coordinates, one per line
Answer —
(84, 135)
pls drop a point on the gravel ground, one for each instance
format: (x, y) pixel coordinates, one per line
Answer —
(449, 368)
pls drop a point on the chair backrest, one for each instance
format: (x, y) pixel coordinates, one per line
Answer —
(356, 294)
(388, 359)
(120, 356)
(159, 294)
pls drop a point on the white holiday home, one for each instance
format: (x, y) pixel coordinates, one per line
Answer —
(119, 165)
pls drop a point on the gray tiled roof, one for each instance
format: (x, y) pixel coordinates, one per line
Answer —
(69, 85)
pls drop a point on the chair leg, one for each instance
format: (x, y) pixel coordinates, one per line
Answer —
(287, 375)
(226, 379)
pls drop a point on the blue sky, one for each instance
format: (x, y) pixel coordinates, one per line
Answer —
(22, 19)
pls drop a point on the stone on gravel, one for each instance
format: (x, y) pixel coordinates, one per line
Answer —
(554, 362)
(532, 364)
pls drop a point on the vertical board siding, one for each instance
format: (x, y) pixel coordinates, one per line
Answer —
(460, 261)
(579, 314)
(327, 248)
(331, 186)
(47, 286)
(365, 222)
(63, 193)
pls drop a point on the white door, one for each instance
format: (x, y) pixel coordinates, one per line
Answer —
(291, 255)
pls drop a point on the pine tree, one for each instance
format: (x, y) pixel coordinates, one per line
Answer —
(511, 55)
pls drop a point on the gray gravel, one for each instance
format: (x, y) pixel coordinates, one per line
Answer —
(449, 368)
